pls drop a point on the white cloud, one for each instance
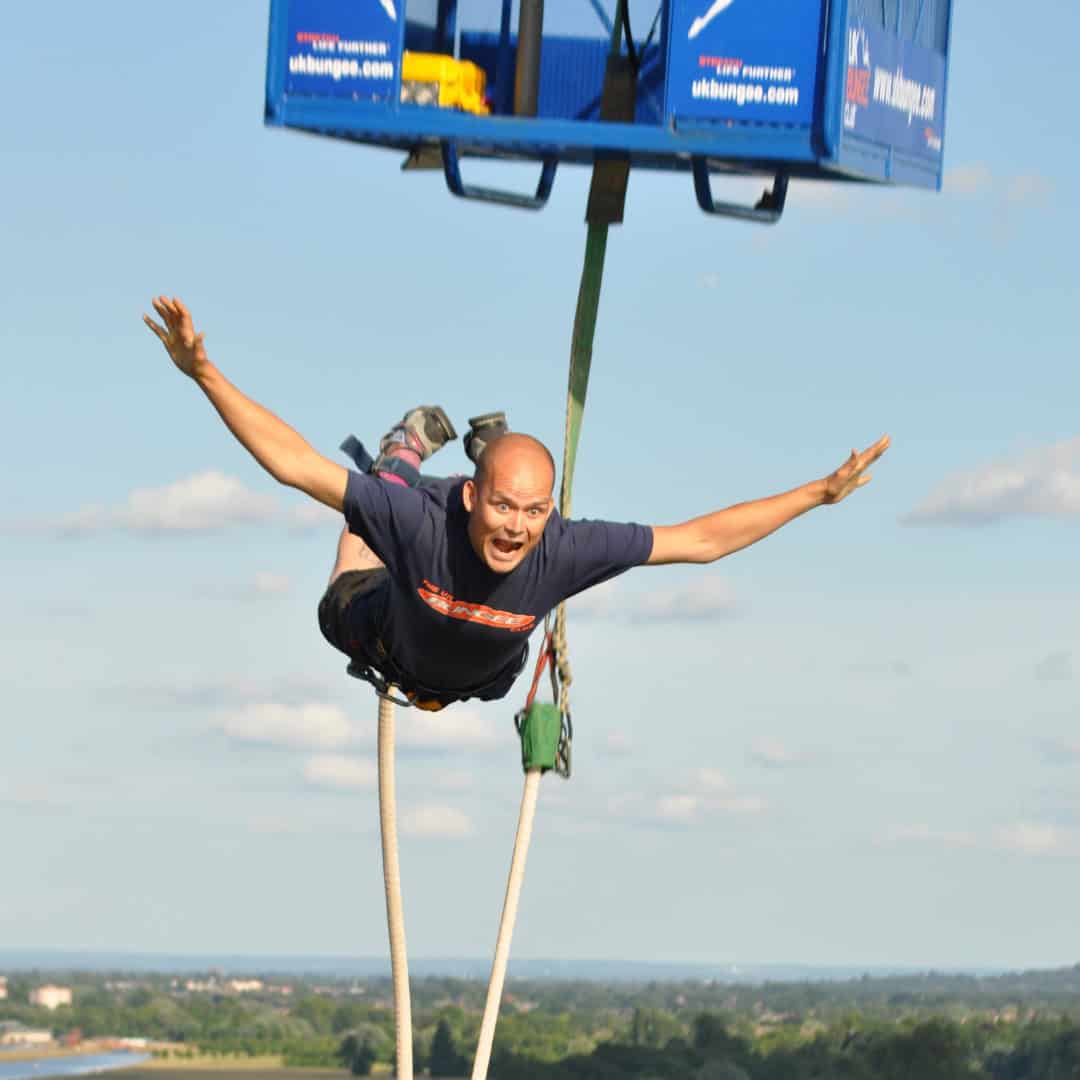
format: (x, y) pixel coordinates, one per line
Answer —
(1043, 482)
(277, 826)
(709, 794)
(1062, 748)
(341, 773)
(305, 726)
(33, 796)
(1030, 838)
(616, 745)
(711, 780)
(452, 780)
(683, 809)
(1021, 838)
(433, 820)
(968, 179)
(773, 754)
(267, 582)
(1028, 188)
(900, 669)
(599, 602)
(450, 729)
(706, 597)
(206, 501)
(923, 834)
(225, 695)
(740, 804)
(1055, 667)
(313, 515)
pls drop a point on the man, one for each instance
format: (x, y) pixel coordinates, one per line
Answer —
(438, 584)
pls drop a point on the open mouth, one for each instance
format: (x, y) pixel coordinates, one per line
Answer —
(507, 547)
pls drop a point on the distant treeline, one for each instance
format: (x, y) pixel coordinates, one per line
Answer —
(1023, 1027)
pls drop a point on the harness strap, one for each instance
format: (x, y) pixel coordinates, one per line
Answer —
(425, 697)
(354, 448)
(397, 467)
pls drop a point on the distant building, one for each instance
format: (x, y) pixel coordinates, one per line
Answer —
(50, 997)
(244, 986)
(14, 1034)
(3, 987)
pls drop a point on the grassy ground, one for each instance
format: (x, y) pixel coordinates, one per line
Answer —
(212, 1063)
(36, 1052)
(218, 1069)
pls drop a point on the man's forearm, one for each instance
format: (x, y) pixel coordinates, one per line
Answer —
(744, 524)
(275, 446)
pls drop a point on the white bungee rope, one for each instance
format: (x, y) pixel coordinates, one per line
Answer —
(506, 923)
(399, 965)
(395, 918)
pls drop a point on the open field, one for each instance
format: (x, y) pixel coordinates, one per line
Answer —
(216, 1069)
(206, 1064)
(36, 1053)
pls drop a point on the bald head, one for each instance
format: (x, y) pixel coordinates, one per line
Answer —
(509, 500)
(515, 456)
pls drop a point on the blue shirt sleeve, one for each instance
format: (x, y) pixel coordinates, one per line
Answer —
(389, 518)
(591, 552)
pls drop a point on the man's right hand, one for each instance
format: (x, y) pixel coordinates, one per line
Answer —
(178, 336)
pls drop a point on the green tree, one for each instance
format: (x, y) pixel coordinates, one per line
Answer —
(712, 1038)
(721, 1070)
(445, 1059)
(356, 1055)
(654, 1027)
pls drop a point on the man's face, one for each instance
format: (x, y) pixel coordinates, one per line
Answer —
(509, 508)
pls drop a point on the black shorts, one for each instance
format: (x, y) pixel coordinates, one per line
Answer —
(351, 616)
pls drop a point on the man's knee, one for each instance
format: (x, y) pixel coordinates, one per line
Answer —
(350, 608)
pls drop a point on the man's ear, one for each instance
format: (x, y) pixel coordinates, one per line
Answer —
(468, 495)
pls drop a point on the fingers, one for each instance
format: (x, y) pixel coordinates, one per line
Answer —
(172, 311)
(872, 453)
(160, 331)
(879, 448)
(162, 307)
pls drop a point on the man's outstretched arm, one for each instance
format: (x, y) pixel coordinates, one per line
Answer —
(280, 450)
(713, 536)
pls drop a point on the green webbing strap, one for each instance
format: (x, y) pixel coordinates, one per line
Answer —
(602, 212)
(598, 216)
(592, 275)
(606, 200)
(588, 303)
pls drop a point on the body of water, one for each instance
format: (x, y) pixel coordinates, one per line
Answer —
(74, 1065)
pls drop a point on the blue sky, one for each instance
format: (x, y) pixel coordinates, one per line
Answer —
(855, 743)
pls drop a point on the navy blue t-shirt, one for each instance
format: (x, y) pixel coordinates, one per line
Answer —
(451, 623)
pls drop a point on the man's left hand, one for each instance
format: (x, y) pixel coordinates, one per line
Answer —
(852, 474)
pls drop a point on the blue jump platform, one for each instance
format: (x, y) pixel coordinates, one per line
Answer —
(824, 89)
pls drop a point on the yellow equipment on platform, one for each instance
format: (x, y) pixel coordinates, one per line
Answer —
(434, 79)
